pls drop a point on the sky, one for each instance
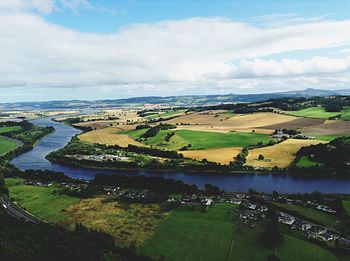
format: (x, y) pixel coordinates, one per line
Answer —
(104, 49)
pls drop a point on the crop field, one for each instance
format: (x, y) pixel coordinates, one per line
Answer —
(6, 146)
(41, 201)
(189, 234)
(296, 124)
(222, 156)
(281, 154)
(223, 122)
(108, 136)
(247, 248)
(330, 127)
(164, 114)
(127, 223)
(201, 139)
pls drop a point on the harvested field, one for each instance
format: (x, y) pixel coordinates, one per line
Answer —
(296, 124)
(281, 154)
(129, 224)
(223, 156)
(109, 136)
(221, 122)
(256, 120)
(200, 118)
(104, 124)
(337, 128)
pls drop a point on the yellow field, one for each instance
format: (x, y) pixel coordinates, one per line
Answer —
(109, 136)
(221, 122)
(128, 223)
(223, 156)
(281, 154)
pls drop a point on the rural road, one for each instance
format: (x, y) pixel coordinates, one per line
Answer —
(15, 211)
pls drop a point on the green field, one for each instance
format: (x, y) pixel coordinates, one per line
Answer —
(346, 204)
(164, 114)
(6, 146)
(246, 248)
(319, 112)
(40, 201)
(305, 162)
(325, 137)
(201, 139)
(8, 129)
(193, 235)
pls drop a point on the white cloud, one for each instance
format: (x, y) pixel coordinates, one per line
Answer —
(169, 57)
(41, 6)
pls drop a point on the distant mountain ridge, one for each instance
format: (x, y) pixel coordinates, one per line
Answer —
(186, 100)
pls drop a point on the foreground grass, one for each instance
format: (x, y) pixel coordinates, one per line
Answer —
(40, 201)
(247, 248)
(189, 234)
(6, 146)
(201, 139)
(129, 224)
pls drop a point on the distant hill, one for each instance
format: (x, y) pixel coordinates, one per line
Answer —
(188, 100)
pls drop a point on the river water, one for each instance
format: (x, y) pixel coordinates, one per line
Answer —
(35, 159)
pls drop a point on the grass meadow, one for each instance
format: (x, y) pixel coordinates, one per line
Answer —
(6, 146)
(189, 234)
(201, 139)
(319, 112)
(41, 201)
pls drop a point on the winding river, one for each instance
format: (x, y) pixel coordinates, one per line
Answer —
(35, 159)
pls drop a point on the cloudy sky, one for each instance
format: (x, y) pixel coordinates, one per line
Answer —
(98, 49)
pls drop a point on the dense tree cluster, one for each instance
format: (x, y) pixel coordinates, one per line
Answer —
(333, 158)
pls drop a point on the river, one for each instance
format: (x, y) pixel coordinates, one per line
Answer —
(35, 159)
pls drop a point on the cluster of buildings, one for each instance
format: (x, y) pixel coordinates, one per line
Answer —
(99, 157)
(311, 230)
(307, 203)
(38, 183)
(280, 135)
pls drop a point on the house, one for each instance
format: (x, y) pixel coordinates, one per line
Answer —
(286, 219)
(208, 201)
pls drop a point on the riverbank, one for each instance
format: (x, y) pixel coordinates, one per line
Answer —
(240, 182)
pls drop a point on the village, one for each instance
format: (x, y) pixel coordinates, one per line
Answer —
(252, 208)
(99, 157)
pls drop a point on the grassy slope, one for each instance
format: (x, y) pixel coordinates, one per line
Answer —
(346, 204)
(193, 235)
(8, 129)
(305, 162)
(246, 248)
(41, 201)
(319, 112)
(202, 139)
(6, 146)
